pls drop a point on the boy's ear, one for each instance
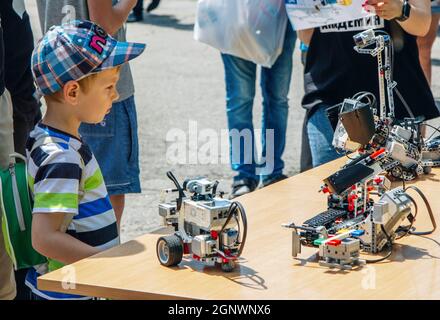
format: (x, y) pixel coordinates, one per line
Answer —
(71, 92)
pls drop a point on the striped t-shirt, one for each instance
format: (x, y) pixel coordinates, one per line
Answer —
(55, 171)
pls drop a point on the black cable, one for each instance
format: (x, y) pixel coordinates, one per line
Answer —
(171, 176)
(352, 159)
(390, 244)
(428, 207)
(232, 210)
(245, 226)
(407, 229)
(214, 188)
(381, 259)
(365, 94)
(436, 129)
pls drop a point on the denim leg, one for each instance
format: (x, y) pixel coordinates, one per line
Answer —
(320, 134)
(275, 84)
(240, 76)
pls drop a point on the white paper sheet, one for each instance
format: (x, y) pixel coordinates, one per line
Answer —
(305, 14)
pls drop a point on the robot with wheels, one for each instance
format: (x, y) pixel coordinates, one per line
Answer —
(211, 229)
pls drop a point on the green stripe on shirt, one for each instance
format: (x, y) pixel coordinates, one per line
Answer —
(31, 182)
(94, 181)
(56, 200)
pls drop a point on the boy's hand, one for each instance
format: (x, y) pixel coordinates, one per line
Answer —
(387, 9)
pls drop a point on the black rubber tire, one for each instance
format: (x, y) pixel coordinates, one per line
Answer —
(427, 170)
(228, 266)
(175, 250)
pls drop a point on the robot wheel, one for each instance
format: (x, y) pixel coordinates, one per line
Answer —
(169, 250)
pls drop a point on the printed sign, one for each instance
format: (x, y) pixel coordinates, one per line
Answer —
(305, 14)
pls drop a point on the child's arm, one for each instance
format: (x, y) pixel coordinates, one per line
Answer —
(110, 17)
(49, 241)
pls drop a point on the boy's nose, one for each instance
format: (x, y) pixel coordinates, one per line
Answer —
(115, 95)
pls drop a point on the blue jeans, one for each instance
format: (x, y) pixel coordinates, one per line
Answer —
(240, 77)
(115, 145)
(320, 133)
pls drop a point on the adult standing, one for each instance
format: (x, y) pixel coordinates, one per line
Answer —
(240, 78)
(19, 43)
(118, 131)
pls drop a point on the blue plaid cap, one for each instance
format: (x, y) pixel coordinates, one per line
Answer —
(75, 50)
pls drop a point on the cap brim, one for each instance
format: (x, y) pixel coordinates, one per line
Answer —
(122, 53)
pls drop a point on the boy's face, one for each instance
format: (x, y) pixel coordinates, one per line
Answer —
(95, 102)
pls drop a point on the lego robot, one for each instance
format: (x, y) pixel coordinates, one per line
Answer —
(211, 229)
(354, 222)
(363, 129)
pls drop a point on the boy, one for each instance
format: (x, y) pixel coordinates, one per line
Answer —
(119, 128)
(76, 68)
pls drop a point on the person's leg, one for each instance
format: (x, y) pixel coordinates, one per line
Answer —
(306, 153)
(153, 5)
(425, 47)
(19, 43)
(7, 280)
(240, 76)
(137, 14)
(138, 8)
(275, 85)
(320, 133)
(114, 143)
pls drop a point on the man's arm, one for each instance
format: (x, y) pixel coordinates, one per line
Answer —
(420, 17)
(49, 241)
(110, 17)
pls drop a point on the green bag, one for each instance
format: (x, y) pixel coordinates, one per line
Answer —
(16, 205)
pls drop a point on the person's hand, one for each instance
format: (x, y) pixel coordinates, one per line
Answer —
(387, 9)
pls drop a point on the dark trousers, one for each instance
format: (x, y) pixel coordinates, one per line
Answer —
(137, 10)
(18, 46)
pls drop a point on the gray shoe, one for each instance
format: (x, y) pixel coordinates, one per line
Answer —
(274, 180)
(242, 186)
(134, 18)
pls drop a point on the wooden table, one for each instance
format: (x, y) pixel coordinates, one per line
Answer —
(267, 269)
